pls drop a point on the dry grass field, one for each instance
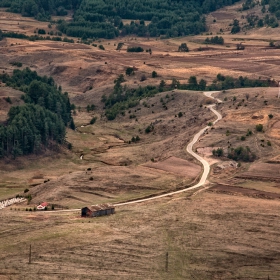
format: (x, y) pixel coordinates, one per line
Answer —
(228, 230)
(207, 236)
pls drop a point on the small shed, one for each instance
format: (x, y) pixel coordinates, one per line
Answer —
(42, 206)
(98, 210)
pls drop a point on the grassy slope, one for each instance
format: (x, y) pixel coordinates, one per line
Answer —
(208, 235)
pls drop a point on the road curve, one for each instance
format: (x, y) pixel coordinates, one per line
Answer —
(206, 166)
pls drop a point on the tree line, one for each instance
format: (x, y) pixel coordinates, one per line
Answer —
(227, 82)
(221, 83)
(40, 9)
(215, 40)
(41, 122)
(104, 19)
(123, 98)
(36, 37)
(238, 154)
(259, 20)
(166, 18)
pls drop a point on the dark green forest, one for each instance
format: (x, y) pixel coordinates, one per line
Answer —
(94, 19)
(40, 9)
(270, 14)
(39, 123)
(103, 18)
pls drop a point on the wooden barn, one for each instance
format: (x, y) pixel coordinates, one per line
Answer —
(98, 210)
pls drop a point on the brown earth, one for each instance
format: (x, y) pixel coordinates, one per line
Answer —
(209, 236)
(233, 190)
(177, 166)
(110, 153)
(263, 171)
(223, 233)
(79, 67)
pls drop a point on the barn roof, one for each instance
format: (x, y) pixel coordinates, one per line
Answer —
(95, 208)
(44, 204)
(101, 207)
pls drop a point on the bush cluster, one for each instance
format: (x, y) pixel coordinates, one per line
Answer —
(241, 153)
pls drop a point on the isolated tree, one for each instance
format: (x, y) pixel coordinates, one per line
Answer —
(161, 85)
(259, 127)
(236, 28)
(72, 124)
(183, 48)
(143, 78)
(120, 79)
(149, 128)
(120, 45)
(129, 71)
(1, 35)
(154, 74)
(93, 120)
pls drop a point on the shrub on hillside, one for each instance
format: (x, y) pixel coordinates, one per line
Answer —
(135, 49)
(241, 153)
(259, 127)
(183, 48)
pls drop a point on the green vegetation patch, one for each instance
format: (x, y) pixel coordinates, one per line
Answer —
(123, 98)
(242, 154)
(41, 122)
(104, 19)
(215, 40)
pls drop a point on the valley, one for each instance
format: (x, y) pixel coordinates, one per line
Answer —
(226, 229)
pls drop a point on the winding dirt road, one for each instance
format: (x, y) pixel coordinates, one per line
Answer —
(206, 166)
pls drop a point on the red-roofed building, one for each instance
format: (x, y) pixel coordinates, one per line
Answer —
(42, 206)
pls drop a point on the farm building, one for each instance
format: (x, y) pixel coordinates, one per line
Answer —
(97, 210)
(42, 206)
